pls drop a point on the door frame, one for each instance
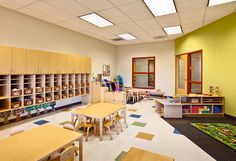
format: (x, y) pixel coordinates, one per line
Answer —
(188, 71)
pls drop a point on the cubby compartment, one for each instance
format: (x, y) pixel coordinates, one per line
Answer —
(186, 109)
(48, 97)
(87, 90)
(83, 80)
(77, 92)
(4, 104)
(39, 98)
(48, 83)
(64, 80)
(71, 93)
(217, 109)
(4, 88)
(77, 81)
(57, 95)
(64, 94)
(71, 81)
(57, 82)
(212, 100)
(16, 85)
(87, 80)
(28, 100)
(16, 102)
(39, 84)
(28, 83)
(82, 90)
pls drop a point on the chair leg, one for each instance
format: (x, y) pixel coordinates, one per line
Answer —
(109, 129)
(120, 126)
(87, 133)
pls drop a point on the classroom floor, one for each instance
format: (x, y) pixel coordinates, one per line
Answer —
(161, 137)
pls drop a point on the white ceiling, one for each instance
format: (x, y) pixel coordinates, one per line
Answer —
(127, 16)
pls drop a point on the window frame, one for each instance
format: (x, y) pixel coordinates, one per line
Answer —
(147, 73)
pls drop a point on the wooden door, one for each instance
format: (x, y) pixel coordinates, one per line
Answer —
(43, 62)
(5, 59)
(18, 61)
(32, 61)
(62, 63)
(181, 74)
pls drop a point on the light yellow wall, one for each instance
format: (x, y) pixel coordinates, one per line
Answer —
(218, 41)
(19, 30)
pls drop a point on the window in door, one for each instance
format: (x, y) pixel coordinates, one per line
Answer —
(143, 75)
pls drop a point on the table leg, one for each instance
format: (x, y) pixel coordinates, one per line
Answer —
(100, 128)
(125, 118)
(72, 118)
(81, 149)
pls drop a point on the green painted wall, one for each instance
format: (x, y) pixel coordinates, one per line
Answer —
(218, 41)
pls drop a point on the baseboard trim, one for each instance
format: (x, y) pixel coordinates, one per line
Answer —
(230, 116)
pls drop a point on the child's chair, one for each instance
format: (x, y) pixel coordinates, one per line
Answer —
(109, 123)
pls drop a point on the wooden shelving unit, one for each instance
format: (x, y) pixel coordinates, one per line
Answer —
(202, 105)
(20, 91)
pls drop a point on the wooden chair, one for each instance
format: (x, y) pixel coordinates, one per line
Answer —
(120, 97)
(66, 155)
(109, 97)
(82, 122)
(119, 117)
(132, 95)
(109, 123)
(17, 130)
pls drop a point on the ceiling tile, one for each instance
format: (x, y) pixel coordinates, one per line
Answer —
(156, 32)
(143, 36)
(136, 10)
(42, 7)
(9, 4)
(61, 15)
(113, 29)
(185, 5)
(23, 2)
(168, 20)
(103, 33)
(198, 12)
(219, 11)
(191, 27)
(148, 24)
(95, 5)
(80, 24)
(62, 4)
(121, 2)
(189, 20)
(129, 27)
(30, 12)
(114, 15)
(78, 10)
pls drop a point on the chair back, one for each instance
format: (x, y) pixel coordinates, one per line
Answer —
(82, 120)
(120, 97)
(109, 97)
(68, 154)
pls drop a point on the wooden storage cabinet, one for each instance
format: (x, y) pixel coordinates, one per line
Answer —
(5, 61)
(32, 65)
(26, 77)
(18, 61)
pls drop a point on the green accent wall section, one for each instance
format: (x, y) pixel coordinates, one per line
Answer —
(218, 42)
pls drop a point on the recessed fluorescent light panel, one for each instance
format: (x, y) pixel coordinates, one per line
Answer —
(127, 36)
(97, 20)
(173, 30)
(161, 7)
(217, 2)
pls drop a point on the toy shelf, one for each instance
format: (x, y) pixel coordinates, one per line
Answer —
(202, 105)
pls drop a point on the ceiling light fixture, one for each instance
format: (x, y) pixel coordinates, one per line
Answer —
(127, 36)
(97, 20)
(160, 7)
(173, 30)
(217, 2)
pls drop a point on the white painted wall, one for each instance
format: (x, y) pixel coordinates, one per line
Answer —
(20, 30)
(165, 63)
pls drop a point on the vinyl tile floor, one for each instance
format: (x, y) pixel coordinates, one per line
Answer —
(165, 141)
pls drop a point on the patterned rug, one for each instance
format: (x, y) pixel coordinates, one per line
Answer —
(223, 132)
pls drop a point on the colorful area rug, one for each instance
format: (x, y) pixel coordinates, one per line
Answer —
(223, 132)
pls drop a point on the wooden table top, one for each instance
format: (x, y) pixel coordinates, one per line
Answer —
(99, 110)
(135, 154)
(36, 143)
